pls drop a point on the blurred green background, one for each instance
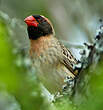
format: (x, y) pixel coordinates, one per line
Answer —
(75, 22)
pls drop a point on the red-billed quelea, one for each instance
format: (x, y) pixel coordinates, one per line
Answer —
(53, 61)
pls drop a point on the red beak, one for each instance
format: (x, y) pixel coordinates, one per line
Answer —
(31, 21)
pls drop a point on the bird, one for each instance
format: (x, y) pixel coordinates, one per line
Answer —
(52, 61)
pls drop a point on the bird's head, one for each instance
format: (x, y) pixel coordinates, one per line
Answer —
(38, 26)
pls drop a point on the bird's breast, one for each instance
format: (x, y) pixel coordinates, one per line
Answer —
(46, 55)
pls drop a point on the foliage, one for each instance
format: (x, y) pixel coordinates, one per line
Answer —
(19, 83)
(19, 87)
(15, 79)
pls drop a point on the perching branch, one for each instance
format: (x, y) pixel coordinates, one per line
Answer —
(92, 52)
(90, 55)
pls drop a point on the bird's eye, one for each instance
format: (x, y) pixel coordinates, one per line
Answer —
(39, 20)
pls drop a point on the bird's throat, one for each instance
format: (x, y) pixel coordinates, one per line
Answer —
(39, 45)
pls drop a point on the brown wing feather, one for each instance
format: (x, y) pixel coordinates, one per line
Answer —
(68, 59)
